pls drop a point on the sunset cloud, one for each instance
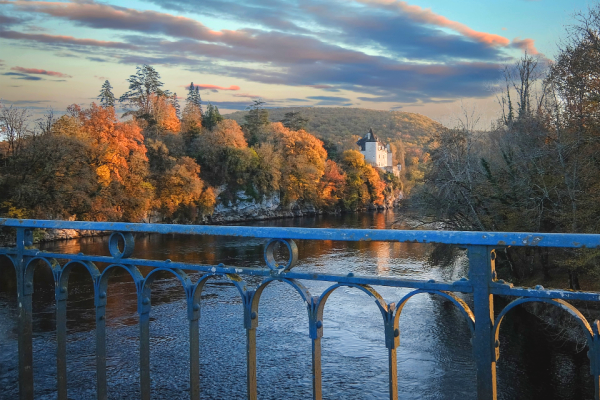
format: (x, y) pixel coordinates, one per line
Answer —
(214, 87)
(527, 45)
(378, 51)
(427, 16)
(35, 71)
(104, 16)
(57, 39)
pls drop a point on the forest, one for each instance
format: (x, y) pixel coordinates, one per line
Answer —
(156, 162)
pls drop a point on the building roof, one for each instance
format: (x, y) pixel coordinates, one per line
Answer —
(369, 137)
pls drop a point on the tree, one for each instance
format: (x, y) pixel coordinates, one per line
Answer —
(50, 177)
(294, 120)
(256, 120)
(303, 163)
(142, 85)
(14, 127)
(194, 97)
(175, 104)
(118, 158)
(106, 97)
(212, 117)
(363, 185)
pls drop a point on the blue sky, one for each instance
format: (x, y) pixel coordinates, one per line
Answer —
(423, 56)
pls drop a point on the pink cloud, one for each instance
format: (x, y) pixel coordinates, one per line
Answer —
(527, 45)
(36, 71)
(43, 38)
(106, 16)
(427, 16)
(214, 87)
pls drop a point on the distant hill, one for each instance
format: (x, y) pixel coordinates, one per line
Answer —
(343, 126)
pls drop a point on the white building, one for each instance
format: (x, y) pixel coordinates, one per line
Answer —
(376, 153)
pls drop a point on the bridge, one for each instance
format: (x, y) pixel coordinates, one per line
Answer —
(482, 284)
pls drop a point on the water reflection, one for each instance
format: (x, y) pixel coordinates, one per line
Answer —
(434, 358)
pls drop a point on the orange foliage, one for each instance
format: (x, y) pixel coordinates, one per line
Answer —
(304, 163)
(331, 186)
(165, 114)
(118, 156)
(226, 133)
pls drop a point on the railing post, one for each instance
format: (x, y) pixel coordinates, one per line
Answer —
(315, 325)
(392, 341)
(100, 305)
(250, 323)
(594, 356)
(193, 317)
(24, 293)
(481, 274)
(144, 313)
(61, 338)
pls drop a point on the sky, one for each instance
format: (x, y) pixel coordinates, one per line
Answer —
(426, 56)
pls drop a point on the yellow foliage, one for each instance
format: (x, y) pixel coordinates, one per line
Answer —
(103, 174)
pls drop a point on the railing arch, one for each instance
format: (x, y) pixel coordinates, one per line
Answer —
(463, 307)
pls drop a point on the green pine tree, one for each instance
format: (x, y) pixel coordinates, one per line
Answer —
(106, 97)
(142, 85)
(175, 104)
(256, 119)
(212, 116)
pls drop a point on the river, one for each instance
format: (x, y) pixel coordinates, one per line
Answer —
(434, 357)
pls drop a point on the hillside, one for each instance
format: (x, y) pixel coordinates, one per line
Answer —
(343, 126)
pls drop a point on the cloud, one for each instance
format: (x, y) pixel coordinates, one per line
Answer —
(231, 105)
(102, 78)
(69, 40)
(381, 50)
(5, 20)
(527, 45)
(104, 16)
(247, 95)
(213, 87)
(21, 76)
(36, 71)
(427, 16)
(25, 102)
(329, 98)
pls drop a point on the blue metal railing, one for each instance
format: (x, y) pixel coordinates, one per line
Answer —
(482, 284)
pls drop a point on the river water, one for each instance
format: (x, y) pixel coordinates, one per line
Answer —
(434, 357)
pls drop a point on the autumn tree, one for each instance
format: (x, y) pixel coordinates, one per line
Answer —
(106, 96)
(179, 189)
(332, 186)
(303, 163)
(363, 185)
(51, 177)
(118, 158)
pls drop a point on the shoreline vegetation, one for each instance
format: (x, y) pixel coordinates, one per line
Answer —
(157, 163)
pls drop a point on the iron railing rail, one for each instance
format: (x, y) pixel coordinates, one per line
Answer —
(482, 284)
